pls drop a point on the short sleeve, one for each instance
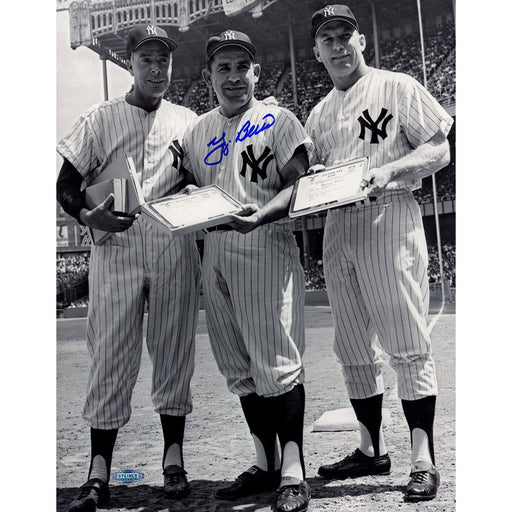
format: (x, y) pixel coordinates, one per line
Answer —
(80, 145)
(421, 116)
(289, 134)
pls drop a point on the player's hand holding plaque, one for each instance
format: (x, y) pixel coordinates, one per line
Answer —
(330, 187)
(198, 208)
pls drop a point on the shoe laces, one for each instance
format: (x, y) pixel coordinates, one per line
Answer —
(289, 491)
(353, 456)
(420, 477)
(85, 492)
(174, 478)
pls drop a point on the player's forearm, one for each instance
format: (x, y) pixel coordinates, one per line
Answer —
(69, 195)
(277, 207)
(424, 161)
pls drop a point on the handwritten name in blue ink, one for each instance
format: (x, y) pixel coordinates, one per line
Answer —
(220, 147)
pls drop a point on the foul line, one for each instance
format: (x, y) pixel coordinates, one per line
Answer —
(436, 318)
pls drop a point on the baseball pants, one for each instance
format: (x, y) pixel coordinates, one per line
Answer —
(376, 260)
(254, 298)
(139, 265)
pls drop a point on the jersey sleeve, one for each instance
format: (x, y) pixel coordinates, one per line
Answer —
(187, 146)
(80, 145)
(421, 116)
(310, 130)
(289, 134)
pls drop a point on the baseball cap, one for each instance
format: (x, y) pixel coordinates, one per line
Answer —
(330, 13)
(230, 38)
(143, 33)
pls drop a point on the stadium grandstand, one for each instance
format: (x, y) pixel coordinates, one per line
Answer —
(290, 73)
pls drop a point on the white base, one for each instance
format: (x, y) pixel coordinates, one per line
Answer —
(344, 419)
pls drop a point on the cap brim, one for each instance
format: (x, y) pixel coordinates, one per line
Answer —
(314, 31)
(249, 48)
(165, 40)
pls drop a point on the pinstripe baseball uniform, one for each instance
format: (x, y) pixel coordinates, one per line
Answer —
(375, 255)
(137, 265)
(254, 283)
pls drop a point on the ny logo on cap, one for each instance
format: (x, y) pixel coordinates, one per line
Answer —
(151, 30)
(229, 34)
(329, 11)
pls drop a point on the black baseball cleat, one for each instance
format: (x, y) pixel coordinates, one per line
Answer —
(176, 485)
(94, 493)
(423, 485)
(355, 465)
(293, 498)
(252, 481)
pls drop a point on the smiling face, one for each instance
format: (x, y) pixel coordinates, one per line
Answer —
(151, 67)
(233, 76)
(339, 47)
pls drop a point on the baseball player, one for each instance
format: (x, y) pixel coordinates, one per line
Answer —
(253, 280)
(375, 254)
(136, 266)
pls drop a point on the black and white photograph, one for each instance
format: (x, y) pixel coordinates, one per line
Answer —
(279, 351)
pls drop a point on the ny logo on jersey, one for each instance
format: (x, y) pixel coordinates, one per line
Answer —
(177, 152)
(229, 34)
(329, 11)
(367, 122)
(151, 29)
(254, 163)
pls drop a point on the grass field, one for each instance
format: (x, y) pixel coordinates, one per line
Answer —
(218, 446)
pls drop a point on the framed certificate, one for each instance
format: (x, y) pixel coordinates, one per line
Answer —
(335, 186)
(184, 213)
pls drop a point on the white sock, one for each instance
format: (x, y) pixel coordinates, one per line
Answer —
(420, 455)
(99, 468)
(261, 456)
(173, 455)
(291, 469)
(366, 444)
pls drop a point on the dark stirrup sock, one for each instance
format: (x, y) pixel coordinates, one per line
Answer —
(288, 410)
(369, 413)
(420, 414)
(102, 443)
(261, 424)
(173, 428)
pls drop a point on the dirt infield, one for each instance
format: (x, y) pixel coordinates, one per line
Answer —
(218, 446)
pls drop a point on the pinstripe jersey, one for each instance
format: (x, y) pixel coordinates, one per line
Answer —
(99, 136)
(218, 150)
(137, 264)
(383, 116)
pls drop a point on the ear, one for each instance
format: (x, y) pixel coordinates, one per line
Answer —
(317, 53)
(362, 41)
(257, 71)
(207, 77)
(130, 66)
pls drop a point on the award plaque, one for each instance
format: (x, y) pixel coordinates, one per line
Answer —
(337, 185)
(184, 213)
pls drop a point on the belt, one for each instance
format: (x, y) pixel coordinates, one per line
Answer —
(220, 227)
(359, 204)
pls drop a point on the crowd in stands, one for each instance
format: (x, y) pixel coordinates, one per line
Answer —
(445, 187)
(314, 275)
(448, 254)
(71, 270)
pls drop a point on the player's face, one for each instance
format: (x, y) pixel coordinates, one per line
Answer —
(233, 76)
(151, 66)
(339, 47)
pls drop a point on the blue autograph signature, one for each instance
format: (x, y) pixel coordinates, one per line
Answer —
(220, 147)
